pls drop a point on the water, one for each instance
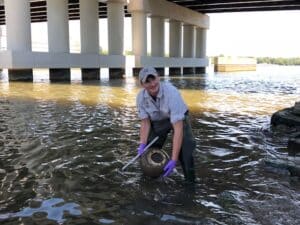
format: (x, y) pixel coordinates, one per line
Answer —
(62, 147)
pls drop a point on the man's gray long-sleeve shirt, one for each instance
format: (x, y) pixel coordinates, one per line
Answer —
(168, 104)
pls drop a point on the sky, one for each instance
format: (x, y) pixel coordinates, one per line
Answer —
(258, 34)
(274, 34)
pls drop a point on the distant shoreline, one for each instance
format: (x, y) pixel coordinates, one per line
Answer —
(279, 61)
(294, 61)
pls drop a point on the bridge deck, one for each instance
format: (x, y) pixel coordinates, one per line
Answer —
(39, 13)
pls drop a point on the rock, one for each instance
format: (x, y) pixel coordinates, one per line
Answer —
(294, 146)
(286, 117)
(296, 109)
(294, 166)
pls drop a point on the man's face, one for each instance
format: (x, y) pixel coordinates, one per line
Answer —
(152, 85)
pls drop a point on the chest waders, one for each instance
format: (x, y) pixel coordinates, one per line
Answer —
(162, 128)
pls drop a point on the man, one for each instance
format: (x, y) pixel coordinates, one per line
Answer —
(162, 109)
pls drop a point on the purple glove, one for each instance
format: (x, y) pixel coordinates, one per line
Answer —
(141, 148)
(169, 167)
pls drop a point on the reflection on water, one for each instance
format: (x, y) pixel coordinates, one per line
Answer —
(53, 208)
(62, 147)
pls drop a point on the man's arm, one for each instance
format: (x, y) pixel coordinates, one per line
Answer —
(177, 142)
(177, 139)
(144, 130)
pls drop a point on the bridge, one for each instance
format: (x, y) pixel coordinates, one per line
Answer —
(187, 19)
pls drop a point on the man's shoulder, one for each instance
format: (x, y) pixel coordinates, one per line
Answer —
(169, 87)
(141, 94)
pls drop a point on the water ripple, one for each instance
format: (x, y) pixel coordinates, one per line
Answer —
(62, 148)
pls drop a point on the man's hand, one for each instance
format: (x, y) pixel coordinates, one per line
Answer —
(169, 167)
(141, 148)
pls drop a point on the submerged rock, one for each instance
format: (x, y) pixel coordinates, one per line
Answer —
(292, 164)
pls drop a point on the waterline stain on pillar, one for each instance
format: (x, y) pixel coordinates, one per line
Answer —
(90, 74)
(175, 71)
(60, 75)
(135, 71)
(116, 73)
(199, 70)
(20, 75)
(188, 70)
(160, 71)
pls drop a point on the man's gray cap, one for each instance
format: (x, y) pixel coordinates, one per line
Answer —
(145, 72)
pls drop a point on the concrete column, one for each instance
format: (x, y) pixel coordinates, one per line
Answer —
(115, 26)
(175, 44)
(200, 47)
(58, 35)
(158, 40)
(18, 28)
(175, 39)
(139, 37)
(189, 41)
(89, 26)
(58, 26)
(89, 35)
(0, 44)
(157, 36)
(139, 33)
(0, 38)
(200, 42)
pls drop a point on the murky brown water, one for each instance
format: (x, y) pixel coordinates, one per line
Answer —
(62, 147)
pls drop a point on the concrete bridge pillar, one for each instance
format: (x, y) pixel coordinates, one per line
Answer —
(200, 47)
(89, 35)
(58, 35)
(139, 36)
(139, 33)
(115, 20)
(18, 28)
(175, 44)
(0, 38)
(158, 40)
(189, 41)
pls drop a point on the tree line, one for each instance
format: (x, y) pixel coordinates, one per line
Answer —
(278, 61)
